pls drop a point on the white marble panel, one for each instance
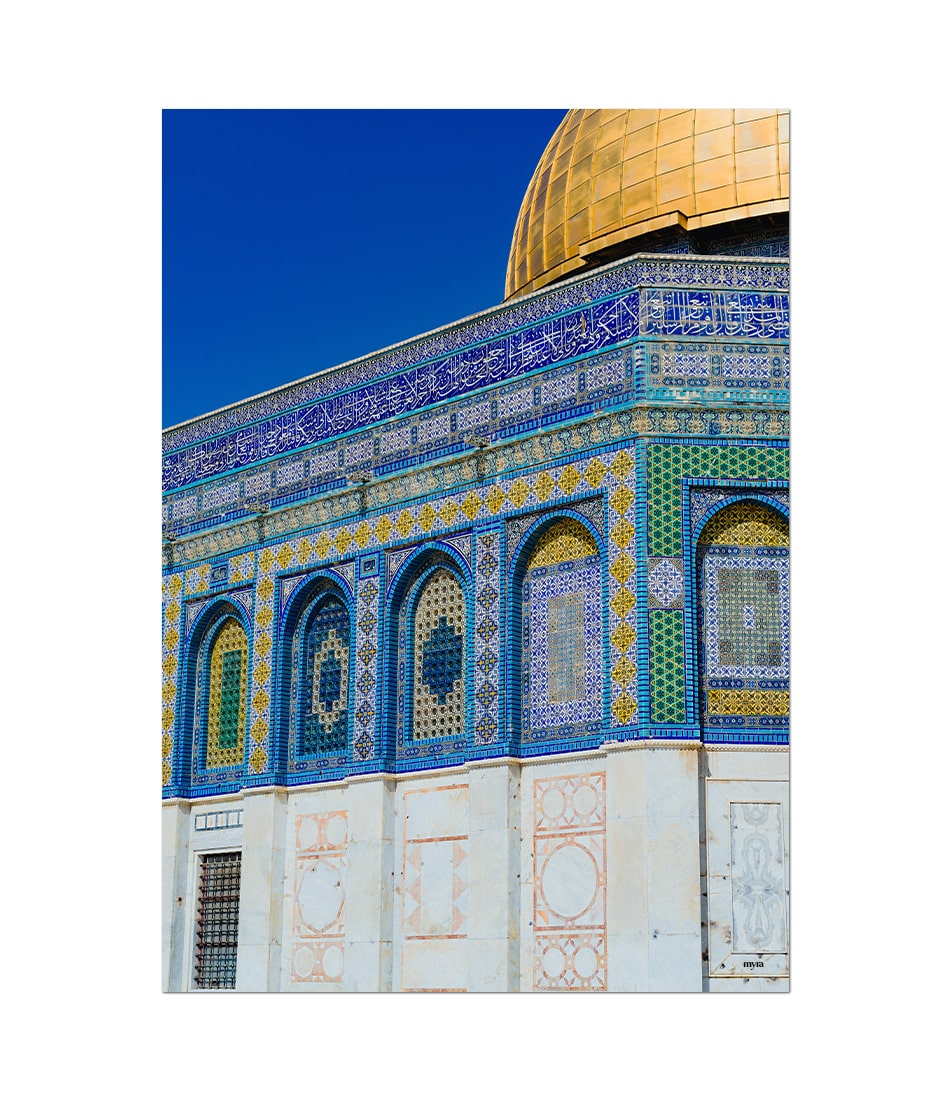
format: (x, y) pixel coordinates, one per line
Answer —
(436, 811)
(628, 884)
(365, 888)
(629, 970)
(674, 872)
(435, 965)
(626, 783)
(263, 865)
(672, 782)
(490, 875)
(437, 888)
(175, 926)
(676, 963)
(735, 762)
(488, 965)
(490, 798)
(368, 966)
(748, 985)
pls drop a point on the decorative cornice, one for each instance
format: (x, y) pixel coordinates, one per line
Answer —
(521, 455)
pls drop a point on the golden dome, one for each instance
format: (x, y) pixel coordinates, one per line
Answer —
(607, 177)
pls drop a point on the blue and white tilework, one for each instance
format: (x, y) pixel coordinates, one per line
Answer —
(367, 666)
(665, 582)
(172, 631)
(563, 651)
(563, 383)
(487, 636)
(609, 280)
(620, 491)
(756, 628)
(718, 370)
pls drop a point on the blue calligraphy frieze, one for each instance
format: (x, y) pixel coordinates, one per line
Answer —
(704, 313)
(617, 278)
(583, 332)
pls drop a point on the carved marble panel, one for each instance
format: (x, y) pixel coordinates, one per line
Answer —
(435, 888)
(319, 897)
(570, 882)
(747, 878)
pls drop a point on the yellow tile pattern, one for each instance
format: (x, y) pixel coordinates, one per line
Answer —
(504, 496)
(605, 174)
(565, 541)
(747, 523)
(749, 701)
(264, 645)
(171, 596)
(623, 601)
(231, 639)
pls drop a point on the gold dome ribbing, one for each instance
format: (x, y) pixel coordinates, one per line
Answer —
(609, 176)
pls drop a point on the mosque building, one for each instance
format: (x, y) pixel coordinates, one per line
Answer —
(475, 650)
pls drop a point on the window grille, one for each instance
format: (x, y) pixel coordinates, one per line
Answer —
(219, 891)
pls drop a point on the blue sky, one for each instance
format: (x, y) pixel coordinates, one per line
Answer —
(296, 240)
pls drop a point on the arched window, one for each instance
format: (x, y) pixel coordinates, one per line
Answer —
(438, 674)
(561, 624)
(324, 689)
(226, 699)
(742, 565)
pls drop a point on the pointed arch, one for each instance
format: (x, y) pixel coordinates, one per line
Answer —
(428, 655)
(557, 605)
(315, 687)
(742, 581)
(215, 702)
(226, 712)
(438, 657)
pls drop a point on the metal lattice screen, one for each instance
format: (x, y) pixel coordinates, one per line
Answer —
(219, 892)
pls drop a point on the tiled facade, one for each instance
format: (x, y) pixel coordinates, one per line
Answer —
(604, 571)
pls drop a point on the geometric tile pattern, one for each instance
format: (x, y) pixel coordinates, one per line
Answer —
(562, 627)
(703, 501)
(487, 636)
(264, 625)
(668, 464)
(240, 568)
(227, 697)
(524, 451)
(744, 608)
(171, 634)
(525, 494)
(367, 663)
(621, 583)
(665, 583)
(591, 507)
(731, 701)
(197, 580)
(667, 687)
(746, 523)
(567, 541)
(552, 485)
(439, 659)
(319, 912)
(327, 675)
(719, 368)
(570, 882)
